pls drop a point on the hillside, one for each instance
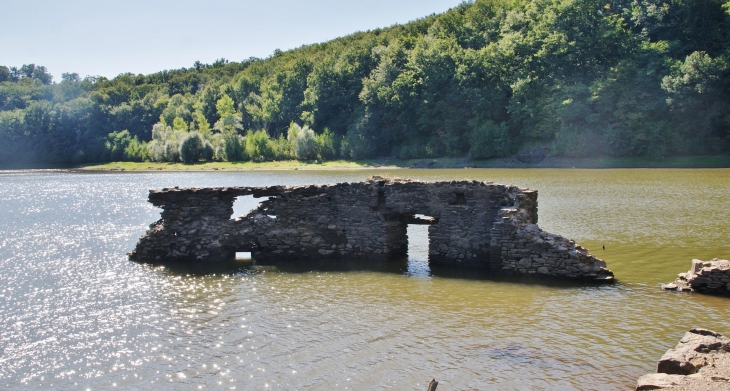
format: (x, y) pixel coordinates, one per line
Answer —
(573, 78)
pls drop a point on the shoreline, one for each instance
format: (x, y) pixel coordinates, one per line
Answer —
(721, 161)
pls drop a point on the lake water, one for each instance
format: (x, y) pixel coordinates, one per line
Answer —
(76, 314)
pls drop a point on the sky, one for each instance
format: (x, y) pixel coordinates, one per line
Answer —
(107, 38)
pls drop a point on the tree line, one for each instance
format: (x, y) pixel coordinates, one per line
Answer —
(484, 79)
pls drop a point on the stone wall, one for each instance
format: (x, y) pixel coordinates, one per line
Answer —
(707, 277)
(472, 223)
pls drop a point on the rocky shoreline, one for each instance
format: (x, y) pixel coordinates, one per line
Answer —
(699, 362)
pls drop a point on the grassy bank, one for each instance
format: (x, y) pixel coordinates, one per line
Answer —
(511, 162)
(225, 166)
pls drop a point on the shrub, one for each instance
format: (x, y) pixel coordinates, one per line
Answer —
(120, 146)
(326, 145)
(156, 151)
(306, 146)
(291, 135)
(208, 151)
(233, 148)
(136, 151)
(283, 148)
(489, 140)
(354, 145)
(192, 148)
(415, 151)
(172, 151)
(259, 146)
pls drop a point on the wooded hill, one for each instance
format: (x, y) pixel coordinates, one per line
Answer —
(485, 79)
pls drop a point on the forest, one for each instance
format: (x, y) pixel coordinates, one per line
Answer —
(486, 79)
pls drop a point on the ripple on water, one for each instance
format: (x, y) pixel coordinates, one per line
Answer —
(77, 314)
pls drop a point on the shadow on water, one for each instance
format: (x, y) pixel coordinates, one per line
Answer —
(396, 266)
(465, 273)
(205, 268)
(401, 266)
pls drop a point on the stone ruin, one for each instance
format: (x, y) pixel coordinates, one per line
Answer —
(705, 277)
(474, 224)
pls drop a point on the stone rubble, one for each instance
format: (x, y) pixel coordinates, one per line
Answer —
(477, 224)
(699, 362)
(705, 277)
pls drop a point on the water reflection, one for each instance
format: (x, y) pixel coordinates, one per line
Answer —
(418, 250)
(393, 266)
(76, 314)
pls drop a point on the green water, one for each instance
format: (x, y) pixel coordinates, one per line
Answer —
(652, 222)
(76, 314)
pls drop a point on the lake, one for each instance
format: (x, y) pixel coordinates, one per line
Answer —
(77, 314)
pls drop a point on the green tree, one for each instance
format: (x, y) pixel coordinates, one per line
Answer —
(121, 146)
(202, 124)
(259, 147)
(193, 148)
(179, 124)
(292, 134)
(489, 140)
(225, 106)
(306, 146)
(234, 147)
(326, 145)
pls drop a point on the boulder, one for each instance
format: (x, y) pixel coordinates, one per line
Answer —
(700, 361)
(657, 381)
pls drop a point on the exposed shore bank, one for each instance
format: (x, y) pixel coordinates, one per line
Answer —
(721, 161)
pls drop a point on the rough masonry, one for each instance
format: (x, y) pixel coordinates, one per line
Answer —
(705, 277)
(476, 224)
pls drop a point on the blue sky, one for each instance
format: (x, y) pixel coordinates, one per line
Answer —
(108, 38)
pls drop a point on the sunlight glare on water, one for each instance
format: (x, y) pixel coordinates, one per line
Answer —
(77, 314)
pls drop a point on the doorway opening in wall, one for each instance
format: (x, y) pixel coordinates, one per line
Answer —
(417, 232)
(242, 206)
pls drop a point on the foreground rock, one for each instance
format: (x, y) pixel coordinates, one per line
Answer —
(699, 362)
(471, 223)
(706, 277)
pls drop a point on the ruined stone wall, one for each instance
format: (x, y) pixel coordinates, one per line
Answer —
(706, 277)
(519, 246)
(327, 221)
(193, 225)
(463, 214)
(473, 223)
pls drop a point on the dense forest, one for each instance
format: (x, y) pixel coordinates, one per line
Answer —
(485, 79)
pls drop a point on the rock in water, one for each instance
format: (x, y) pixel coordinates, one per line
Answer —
(705, 277)
(700, 361)
(657, 381)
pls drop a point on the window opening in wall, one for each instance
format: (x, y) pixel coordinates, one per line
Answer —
(243, 256)
(243, 205)
(418, 246)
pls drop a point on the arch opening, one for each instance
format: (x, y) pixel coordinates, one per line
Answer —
(242, 206)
